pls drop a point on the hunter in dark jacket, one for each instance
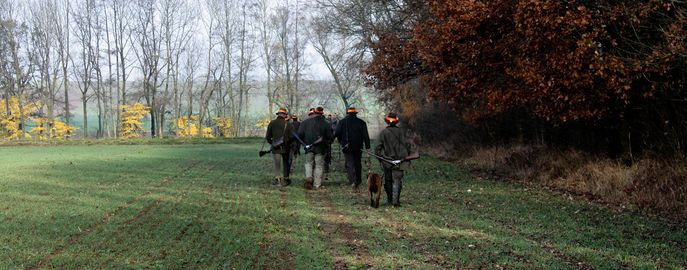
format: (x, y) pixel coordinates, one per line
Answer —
(295, 145)
(351, 132)
(316, 134)
(279, 134)
(393, 145)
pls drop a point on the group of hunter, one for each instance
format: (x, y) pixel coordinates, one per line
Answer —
(287, 136)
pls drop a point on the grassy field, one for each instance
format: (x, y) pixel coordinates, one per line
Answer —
(212, 207)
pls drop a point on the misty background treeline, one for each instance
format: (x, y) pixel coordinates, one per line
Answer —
(606, 76)
(237, 60)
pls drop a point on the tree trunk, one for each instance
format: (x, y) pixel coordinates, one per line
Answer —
(84, 101)
(66, 97)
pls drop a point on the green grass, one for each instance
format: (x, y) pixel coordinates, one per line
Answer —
(132, 141)
(211, 206)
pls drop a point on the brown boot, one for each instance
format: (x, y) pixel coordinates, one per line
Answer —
(308, 183)
(286, 181)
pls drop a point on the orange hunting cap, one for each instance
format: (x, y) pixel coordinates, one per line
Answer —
(282, 111)
(351, 110)
(391, 118)
(319, 110)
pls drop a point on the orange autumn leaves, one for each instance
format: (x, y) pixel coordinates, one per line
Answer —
(560, 60)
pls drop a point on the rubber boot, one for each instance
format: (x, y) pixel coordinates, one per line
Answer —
(388, 186)
(308, 183)
(397, 185)
(286, 181)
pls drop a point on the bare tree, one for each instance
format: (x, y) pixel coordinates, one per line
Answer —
(211, 78)
(343, 60)
(121, 37)
(60, 28)
(238, 40)
(191, 64)
(112, 124)
(178, 22)
(226, 27)
(266, 32)
(148, 39)
(16, 67)
(100, 95)
(84, 30)
(42, 37)
(289, 64)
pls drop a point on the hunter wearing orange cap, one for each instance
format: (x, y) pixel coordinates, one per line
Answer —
(311, 113)
(279, 134)
(351, 132)
(316, 135)
(394, 152)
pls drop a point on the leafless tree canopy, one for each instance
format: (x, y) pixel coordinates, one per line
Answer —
(181, 58)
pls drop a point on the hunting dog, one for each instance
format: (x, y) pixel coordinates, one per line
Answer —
(374, 184)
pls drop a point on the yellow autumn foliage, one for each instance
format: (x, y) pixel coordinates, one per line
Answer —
(225, 126)
(60, 130)
(9, 122)
(187, 126)
(207, 133)
(132, 120)
(51, 129)
(263, 123)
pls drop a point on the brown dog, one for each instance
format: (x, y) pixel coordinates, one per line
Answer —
(374, 184)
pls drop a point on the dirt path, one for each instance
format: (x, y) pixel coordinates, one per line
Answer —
(344, 239)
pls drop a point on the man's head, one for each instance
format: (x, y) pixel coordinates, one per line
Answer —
(352, 111)
(294, 118)
(391, 119)
(283, 113)
(311, 113)
(319, 110)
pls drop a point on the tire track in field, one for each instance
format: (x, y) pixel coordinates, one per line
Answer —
(340, 232)
(276, 261)
(143, 212)
(195, 220)
(180, 197)
(73, 240)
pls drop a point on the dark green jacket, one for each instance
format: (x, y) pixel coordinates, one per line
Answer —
(314, 128)
(277, 129)
(392, 144)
